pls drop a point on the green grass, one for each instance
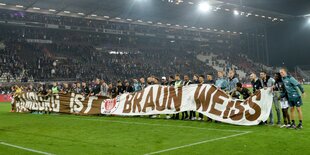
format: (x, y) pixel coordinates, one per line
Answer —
(69, 134)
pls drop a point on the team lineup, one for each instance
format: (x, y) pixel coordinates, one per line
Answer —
(284, 88)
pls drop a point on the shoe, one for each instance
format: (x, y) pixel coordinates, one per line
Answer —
(168, 117)
(299, 126)
(154, 116)
(200, 119)
(283, 126)
(271, 124)
(292, 126)
(194, 118)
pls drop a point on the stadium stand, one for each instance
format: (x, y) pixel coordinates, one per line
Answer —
(82, 53)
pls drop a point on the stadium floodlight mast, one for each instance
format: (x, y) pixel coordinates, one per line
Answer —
(204, 7)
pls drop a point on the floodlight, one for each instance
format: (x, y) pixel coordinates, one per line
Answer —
(236, 12)
(204, 7)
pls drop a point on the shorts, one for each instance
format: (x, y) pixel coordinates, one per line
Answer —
(284, 103)
(295, 101)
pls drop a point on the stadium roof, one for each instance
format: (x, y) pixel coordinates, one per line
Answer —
(182, 12)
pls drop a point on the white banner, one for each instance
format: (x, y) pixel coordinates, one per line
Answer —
(156, 99)
(205, 99)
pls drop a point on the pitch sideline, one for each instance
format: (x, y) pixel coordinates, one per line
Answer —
(197, 143)
(24, 148)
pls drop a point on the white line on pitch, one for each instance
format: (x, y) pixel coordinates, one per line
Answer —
(24, 148)
(138, 123)
(197, 143)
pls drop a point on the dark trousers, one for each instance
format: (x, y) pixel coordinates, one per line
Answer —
(184, 115)
(200, 116)
(286, 116)
(176, 116)
(192, 114)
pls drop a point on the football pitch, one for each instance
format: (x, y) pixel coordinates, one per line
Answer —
(69, 134)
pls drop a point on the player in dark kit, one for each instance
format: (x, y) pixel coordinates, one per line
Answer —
(256, 84)
(243, 91)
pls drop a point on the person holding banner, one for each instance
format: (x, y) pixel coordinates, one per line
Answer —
(232, 81)
(136, 85)
(55, 88)
(192, 114)
(268, 81)
(112, 91)
(142, 83)
(155, 82)
(209, 81)
(293, 87)
(177, 84)
(245, 92)
(170, 83)
(201, 81)
(14, 97)
(221, 82)
(164, 81)
(256, 84)
(85, 89)
(280, 88)
(186, 82)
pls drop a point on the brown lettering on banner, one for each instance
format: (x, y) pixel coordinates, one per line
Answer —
(64, 100)
(217, 100)
(239, 115)
(149, 100)
(154, 100)
(136, 101)
(158, 106)
(255, 107)
(203, 100)
(177, 99)
(258, 95)
(127, 104)
(227, 110)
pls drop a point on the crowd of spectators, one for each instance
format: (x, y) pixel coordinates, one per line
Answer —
(79, 55)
